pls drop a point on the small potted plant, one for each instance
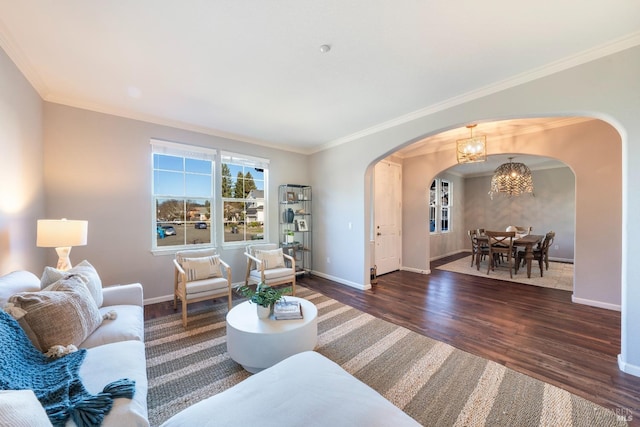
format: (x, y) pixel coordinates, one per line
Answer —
(263, 296)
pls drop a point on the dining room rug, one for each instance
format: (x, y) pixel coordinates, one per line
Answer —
(433, 382)
(559, 275)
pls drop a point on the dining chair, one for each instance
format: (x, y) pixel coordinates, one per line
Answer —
(540, 254)
(479, 250)
(501, 243)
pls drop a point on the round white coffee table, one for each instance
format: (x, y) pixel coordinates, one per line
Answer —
(257, 343)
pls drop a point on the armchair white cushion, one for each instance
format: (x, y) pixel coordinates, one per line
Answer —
(263, 267)
(200, 275)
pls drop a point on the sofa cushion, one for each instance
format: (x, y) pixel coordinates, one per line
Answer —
(110, 362)
(202, 268)
(21, 408)
(51, 275)
(128, 325)
(271, 258)
(63, 313)
(326, 395)
(17, 281)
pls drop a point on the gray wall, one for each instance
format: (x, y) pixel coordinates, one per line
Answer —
(21, 175)
(604, 88)
(97, 168)
(553, 208)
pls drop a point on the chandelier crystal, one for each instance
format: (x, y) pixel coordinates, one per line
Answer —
(472, 149)
(511, 179)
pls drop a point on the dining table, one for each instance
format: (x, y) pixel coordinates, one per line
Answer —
(527, 241)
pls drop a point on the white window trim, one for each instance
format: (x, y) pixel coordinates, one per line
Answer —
(439, 206)
(249, 161)
(159, 146)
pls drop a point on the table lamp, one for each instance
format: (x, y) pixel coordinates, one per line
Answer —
(61, 234)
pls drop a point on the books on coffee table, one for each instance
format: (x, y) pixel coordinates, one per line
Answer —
(285, 310)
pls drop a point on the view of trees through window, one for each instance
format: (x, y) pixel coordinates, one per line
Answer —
(186, 212)
(242, 189)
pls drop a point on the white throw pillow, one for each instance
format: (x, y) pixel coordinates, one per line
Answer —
(271, 259)
(202, 268)
(21, 408)
(84, 268)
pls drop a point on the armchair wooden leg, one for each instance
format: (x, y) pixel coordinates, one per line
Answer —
(184, 312)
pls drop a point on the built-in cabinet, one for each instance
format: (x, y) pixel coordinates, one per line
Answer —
(295, 223)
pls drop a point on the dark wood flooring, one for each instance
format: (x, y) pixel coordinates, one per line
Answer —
(533, 330)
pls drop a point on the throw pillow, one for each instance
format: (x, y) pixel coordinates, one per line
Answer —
(61, 314)
(271, 259)
(202, 268)
(21, 408)
(84, 268)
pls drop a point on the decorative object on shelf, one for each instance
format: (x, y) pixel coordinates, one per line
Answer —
(61, 234)
(472, 149)
(295, 205)
(512, 179)
(263, 296)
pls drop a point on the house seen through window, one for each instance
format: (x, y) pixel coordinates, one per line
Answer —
(440, 206)
(193, 204)
(244, 205)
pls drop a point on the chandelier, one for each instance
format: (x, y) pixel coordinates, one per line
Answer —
(472, 149)
(512, 179)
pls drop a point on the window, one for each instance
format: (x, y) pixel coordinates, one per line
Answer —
(440, 206)
(182, 194)
(244, 206)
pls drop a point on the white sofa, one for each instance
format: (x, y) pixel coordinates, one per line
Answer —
(115, 350)
(305, 389)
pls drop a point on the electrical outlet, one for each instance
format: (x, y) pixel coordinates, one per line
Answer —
(555, 246)
(328, 260)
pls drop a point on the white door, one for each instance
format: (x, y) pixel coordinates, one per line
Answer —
(388, 214)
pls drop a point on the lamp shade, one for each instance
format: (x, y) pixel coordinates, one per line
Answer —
(54, 233)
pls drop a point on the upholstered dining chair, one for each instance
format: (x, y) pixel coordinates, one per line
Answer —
(501, 243)
(479, 250)
(541, 253)
(268, 264)
(200, 275)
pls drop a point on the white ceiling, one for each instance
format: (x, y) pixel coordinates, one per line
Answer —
(253, 70)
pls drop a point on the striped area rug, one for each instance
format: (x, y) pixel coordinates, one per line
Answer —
(433, 382)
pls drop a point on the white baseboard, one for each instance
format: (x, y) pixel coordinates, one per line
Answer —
(627, 367)
(342, 281)
(415, 270)
(599, 304)
(156, 300)
(449, 254)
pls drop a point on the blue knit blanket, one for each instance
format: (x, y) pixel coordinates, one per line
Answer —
(55, 382)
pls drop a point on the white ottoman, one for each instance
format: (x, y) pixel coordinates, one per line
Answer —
(304, 390)
(257, 343)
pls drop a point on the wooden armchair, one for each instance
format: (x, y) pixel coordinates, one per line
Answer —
(501, 243)
(200, 275)
(266, 263)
